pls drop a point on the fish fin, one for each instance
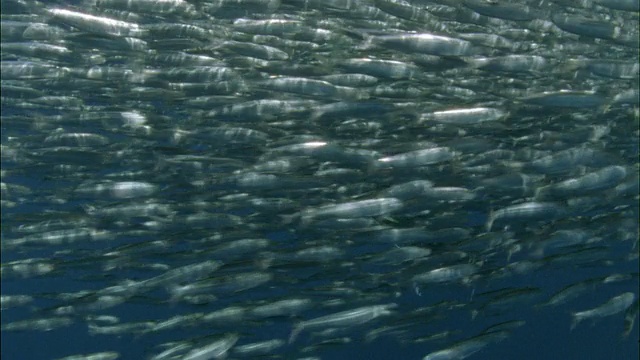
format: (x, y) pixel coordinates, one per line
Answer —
(294, 333)
(355, 33)
(416, 288)
(367, 42)
(490, 221)
(89, 209)
(537, 193)
(576, 319)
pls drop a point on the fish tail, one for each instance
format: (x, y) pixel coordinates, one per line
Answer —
(573, 65)
(355, 33)
(490, 221)
(367, 42)
(216, 43)
(576, 319)
(89, 209)
(537, 194)
(542, 193)
(294, 333)
(316, 114)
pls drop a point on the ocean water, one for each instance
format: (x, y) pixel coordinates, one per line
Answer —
(171, 168)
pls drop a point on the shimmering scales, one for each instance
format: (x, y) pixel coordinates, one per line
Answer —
(96, 24)
(507, 11)
(319, 179)
(465, 116)
(614, 306)
(424, 43)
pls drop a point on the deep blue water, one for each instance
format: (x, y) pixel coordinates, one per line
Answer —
(546, 334)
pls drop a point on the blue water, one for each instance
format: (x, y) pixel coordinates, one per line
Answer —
(546, 335)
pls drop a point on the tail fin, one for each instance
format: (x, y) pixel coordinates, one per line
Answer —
(367, 42)
(355, 33)
(577, 318)
(543, 193)
(89, 209)
(294, 333)
(572, 65)
(490, 221)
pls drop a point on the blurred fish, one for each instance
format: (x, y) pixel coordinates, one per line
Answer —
(252, 172)
(615, 305)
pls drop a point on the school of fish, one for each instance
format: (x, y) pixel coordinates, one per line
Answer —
(288, 179)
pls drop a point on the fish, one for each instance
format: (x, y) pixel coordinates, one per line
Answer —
(287, 178)
(423, 43)
(525, 212)
(468, 347)
(343, 319)
(615, 305)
